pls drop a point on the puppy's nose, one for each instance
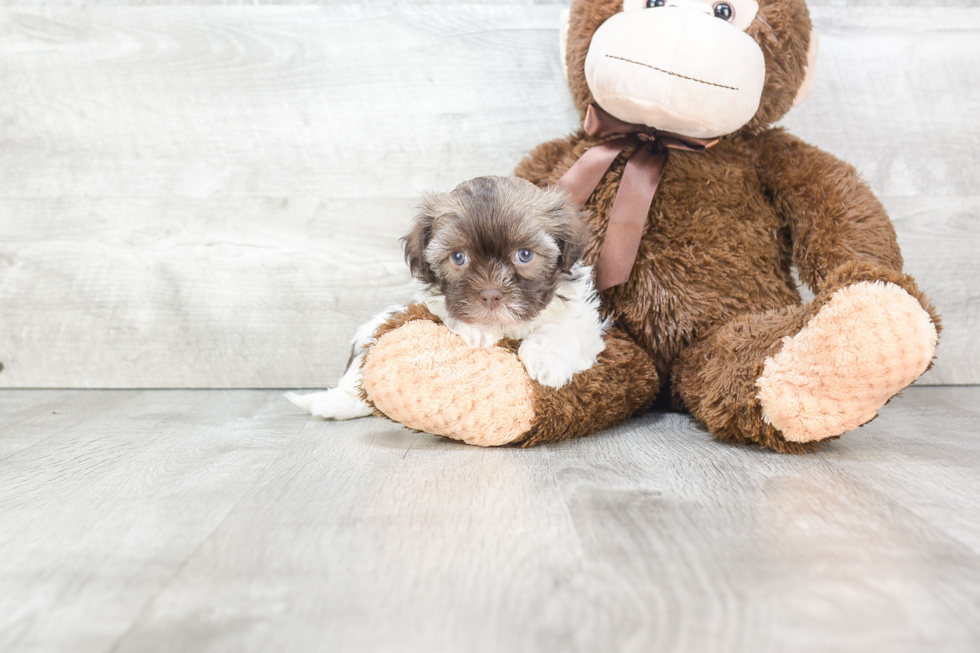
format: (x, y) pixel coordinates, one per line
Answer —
(491, 298)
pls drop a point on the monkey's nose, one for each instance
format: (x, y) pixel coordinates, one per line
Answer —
(491, 298)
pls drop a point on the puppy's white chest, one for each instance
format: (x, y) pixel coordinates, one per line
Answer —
(562, 340)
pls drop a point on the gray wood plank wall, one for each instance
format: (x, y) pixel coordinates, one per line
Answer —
(211, 196)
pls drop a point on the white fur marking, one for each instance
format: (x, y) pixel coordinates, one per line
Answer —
(563, 339)
(344, 402)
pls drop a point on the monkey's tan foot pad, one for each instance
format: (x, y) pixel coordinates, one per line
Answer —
(424, 376)
(870, 341)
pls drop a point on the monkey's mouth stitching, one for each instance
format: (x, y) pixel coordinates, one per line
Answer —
(667, 72)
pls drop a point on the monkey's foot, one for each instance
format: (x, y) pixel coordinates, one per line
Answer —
(426, 377)
(867, 343)
(419, 373)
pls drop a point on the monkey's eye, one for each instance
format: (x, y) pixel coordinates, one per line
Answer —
(724, 11)
(524, 256)
(654, 3)
(459, 258)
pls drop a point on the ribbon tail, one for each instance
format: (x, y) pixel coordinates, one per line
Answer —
(628, 216)
(599, 123)
(585, 174)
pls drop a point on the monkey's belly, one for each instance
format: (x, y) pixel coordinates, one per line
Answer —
(678, 292)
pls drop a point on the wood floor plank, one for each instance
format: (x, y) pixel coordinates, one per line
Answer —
(362, 536)
(96, 519)
(29, 418)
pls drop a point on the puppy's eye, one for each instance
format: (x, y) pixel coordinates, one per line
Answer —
(654, 3)
(524, 256)
(459, 258)
(724, 11)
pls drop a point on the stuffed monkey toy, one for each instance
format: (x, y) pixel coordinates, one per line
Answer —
(699, 210)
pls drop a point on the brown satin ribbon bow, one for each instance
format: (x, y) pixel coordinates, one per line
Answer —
(642, 175)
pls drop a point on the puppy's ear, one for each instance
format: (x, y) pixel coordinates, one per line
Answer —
(417, 240)
(567, 228)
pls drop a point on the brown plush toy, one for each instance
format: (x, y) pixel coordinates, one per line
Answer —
(699, 210)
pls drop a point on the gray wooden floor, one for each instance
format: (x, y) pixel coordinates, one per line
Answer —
(227, 521)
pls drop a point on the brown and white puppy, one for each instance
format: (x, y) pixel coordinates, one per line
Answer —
(495, 253)
(499, 258)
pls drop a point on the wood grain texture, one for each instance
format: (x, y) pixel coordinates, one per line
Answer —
(226, 521)
(115, 502)
(217, 292)
(337, 3)
(208, 196)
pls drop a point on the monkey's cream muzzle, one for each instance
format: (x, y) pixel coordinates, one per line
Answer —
(676, 69)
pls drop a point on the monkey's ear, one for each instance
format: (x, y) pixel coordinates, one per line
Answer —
(417, 240)
(563, 39)
(811, 71)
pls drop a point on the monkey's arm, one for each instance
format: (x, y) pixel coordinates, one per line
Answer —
(833, 216)
(868, 332)
(548, 162)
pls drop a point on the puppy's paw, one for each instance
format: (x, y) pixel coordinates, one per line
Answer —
(333, 404)
(546, 363)
(474, 337)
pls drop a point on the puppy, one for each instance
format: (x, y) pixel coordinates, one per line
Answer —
(499, 258)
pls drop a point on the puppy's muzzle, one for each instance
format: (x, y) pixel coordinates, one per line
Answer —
(491, 298)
